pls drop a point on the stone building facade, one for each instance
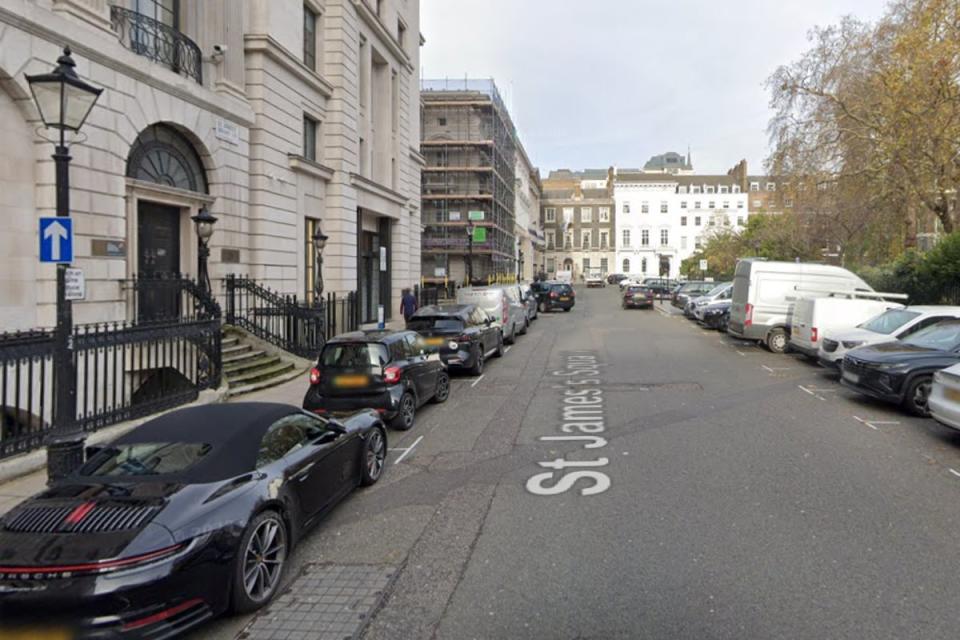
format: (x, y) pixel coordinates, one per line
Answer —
(276, 115)
(579, 225)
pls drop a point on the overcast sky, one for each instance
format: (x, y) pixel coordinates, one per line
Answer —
(595, 83)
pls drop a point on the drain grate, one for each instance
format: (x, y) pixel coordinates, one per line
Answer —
(325, 602)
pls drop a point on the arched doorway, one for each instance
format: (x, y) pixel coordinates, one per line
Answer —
(568, 265)
(169, 184)
(18, 244)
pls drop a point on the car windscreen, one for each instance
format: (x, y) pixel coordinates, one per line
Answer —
(354, 355)
(145, 459)
(441, 323)
(889, 321)
(562, 288)
(637, 289)
(717, 290)
(944, 336)
(691, 287)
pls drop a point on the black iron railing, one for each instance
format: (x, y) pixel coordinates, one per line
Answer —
(286, 321)
(167, 296)
(157, 41)
(426, 295)
(26, 390)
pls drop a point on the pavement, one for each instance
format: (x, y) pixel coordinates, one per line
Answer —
(710, 489)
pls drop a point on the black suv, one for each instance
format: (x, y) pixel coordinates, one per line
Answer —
(554, 295)
(388, 371)
(463, 334)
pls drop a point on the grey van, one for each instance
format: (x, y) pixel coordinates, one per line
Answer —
(503, 302)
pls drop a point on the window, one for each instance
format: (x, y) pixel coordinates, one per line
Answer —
(683, 242)
(758, 204)
(586, 265)
(664, 237)
(164, 11)
(354, 355)
(604, 214)
(309, 257)
(287, 434)
(696, 221)
(310, 127)
(643, 265)
(585, 237)
(586, 214)
(626, 265)
(567, 215)
(724, 189)
(402, 34)
(310, 37)
(710, 189)
(771, 186)
(754, 186)
(603, 265)
(696, 205)
(145, 459)
(740, 221)
(695, 189)
(683, 221)
(681, 189)
(645, 238)
(568, 240)
(736, 188)
(550, 214)
(712, 205)
(683, 204)
(663, 207)
(551, 265)
(551, 239)
(442, 122)
(626, 207)
(626, 237)
(604, 239)
(696, 243)
(788, 203)
(644, 207)
(726, 204)
(739, 204)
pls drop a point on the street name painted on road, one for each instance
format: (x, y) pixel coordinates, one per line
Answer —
(583, 413)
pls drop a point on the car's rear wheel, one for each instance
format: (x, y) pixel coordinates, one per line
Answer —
(915, 400)
(406, 413)
(513, 335)
(526, 325)
(543, 307)
(567, 308)
(477, 368)
(499, 352)
(777, 340)
(263, 554)
(374, 458)
(443, 387)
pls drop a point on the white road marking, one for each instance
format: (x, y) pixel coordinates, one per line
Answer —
(955, 472)
(507, 350)
(812, 391)
(862, 421)
(741, 353)
(406, 450)
(474, 383)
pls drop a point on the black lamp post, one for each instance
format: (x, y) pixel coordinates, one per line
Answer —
(470, 228)
(519, 265)
(319, 243)
(64, 102)
(204, 222)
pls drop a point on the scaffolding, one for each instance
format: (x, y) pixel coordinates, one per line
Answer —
(469, 143)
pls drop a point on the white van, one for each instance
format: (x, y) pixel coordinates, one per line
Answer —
(814, 316)
(503, 303)
(564, 276)
(761, 309)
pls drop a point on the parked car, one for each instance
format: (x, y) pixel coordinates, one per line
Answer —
(595, 279)
(638, 296)
(722, 291)
(691, 289)
(715, 315)
(763, 293)
(501, 303)
(388, 371)
(556, 295)
(814, 317)
(179, 520)
(564, 276)
(463, 334)
(662, 287)
(893, 324)
(945, 397)
(615, 278)
(529, 298)
(902, 371)
(630, 280)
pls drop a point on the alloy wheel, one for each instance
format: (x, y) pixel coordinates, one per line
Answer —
(376, 454)
(443, 387)
(920, 397)
(263, 560)
(407, 409)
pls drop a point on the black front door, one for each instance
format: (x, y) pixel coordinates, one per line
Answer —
(158, 240)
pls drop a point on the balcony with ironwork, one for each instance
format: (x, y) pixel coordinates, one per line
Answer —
(158, 41)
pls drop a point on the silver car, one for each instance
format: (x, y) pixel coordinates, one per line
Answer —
(530, 299)
(503, 302)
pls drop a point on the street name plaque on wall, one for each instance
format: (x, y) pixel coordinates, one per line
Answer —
(230, 256)
(103, 248)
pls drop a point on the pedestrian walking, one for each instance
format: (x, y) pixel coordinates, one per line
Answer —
(408, 304)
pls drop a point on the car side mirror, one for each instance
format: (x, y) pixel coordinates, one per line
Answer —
(335, 426)
(327, 437)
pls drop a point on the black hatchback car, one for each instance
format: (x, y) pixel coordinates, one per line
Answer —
(554, 295)
(463, 334)
(388, 371)
(902, 371)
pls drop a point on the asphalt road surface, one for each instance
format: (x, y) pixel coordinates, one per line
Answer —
(706, 489)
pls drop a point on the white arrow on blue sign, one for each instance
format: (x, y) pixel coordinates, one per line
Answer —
(56, 240)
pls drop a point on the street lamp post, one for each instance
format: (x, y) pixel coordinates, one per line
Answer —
(204, 222)
(64, 101)
(319, 243)
(470, 228)
(520, 266)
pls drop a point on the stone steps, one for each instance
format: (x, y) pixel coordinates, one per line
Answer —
(249, 365)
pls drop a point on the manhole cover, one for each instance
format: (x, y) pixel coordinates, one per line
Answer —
(325, 602)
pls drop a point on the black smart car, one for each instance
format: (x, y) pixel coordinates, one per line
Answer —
(388, 371)
(554, 295)
(463, 334)
(902, 371)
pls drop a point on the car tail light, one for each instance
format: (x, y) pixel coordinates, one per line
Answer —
(162, 615)
(748, 318)
(314, 376)
(102, 566)
(391, 375)
(553, 294)
(813, 335)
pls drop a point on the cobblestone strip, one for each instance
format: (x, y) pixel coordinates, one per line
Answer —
(325, 602)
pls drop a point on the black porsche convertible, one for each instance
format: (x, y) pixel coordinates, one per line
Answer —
(189, 515)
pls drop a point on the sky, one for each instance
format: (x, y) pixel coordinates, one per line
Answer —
(595, 83)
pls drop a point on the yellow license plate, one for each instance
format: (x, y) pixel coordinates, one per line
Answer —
(434, 342)
(952, 394)
(33, 633)
(351, 381)
(564, 298)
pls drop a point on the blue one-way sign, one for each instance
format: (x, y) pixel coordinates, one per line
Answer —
(56, 240)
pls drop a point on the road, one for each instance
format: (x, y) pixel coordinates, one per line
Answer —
(730, 493)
